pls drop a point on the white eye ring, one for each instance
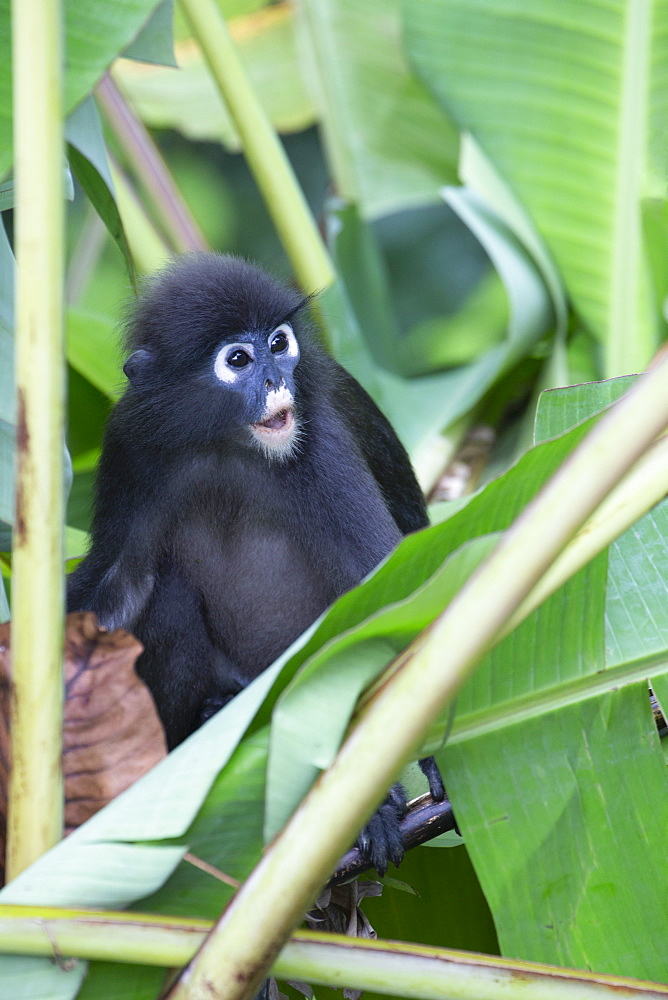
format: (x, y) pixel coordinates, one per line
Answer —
(223, 370)
(292, 348)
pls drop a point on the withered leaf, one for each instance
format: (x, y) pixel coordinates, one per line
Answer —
(111, 730)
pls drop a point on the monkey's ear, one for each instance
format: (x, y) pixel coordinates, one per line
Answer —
(137, 364)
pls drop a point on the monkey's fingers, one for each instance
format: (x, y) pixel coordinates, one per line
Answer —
(380, 842)
(424, 820)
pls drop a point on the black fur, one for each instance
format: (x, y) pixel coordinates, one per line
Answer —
(216, 556)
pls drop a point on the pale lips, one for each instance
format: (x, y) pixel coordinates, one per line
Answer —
(280, 421)
(277, 432)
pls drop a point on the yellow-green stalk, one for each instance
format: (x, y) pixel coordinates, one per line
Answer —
(265, 154)
(392, 967)
(36, 792)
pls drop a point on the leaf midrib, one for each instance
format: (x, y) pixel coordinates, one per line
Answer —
(539, 703)
(627, 263)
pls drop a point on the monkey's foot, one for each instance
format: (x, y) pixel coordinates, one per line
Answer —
(380, 841)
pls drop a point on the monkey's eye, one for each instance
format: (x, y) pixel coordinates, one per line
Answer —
(239, 359)
(281, 339)
(279, 342)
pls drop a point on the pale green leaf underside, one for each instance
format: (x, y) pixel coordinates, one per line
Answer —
(187, 99)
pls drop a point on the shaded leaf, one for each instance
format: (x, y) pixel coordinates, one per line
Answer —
(88, 159)
(421, 408)
(94, 351)
(155, 41)
(390, 145)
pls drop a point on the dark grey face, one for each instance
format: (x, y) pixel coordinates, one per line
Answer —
(260, 368)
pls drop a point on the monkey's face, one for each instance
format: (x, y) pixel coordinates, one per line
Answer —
(259, 369)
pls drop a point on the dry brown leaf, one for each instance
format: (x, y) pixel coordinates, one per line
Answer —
(111, 731)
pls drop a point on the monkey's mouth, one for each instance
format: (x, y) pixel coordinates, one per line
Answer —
(277, 433)
(281, 422)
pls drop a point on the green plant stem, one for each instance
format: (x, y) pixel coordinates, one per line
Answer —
(135, 938)
(149, 249)
(268, 906)
(36, 790)
(149, 166)
(265, 154)
(391, 967)
(408, 970)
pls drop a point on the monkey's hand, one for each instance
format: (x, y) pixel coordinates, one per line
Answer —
(380, 841)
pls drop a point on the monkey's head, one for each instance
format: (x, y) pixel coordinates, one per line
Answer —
(216, 342)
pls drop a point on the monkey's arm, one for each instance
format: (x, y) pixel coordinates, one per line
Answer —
(189, 677)
(382, 451)
(116, 578)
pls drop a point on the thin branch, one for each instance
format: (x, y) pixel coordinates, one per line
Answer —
(148, 164)
(424, 820)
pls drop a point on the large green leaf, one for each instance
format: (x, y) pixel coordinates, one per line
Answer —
(554, 764)
(569, 102)
(565, 818)
(95, 32)
(93, 350)
(389, 144)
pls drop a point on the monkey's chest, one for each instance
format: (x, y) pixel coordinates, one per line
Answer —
(260, 587)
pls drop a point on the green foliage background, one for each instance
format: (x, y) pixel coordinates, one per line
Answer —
(490, 177)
